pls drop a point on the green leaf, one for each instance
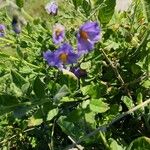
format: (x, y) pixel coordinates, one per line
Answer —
(139, 101)
(146, 9)
(98, 106)
(21, 111)
(129, 102)
(141, 143)
(75, 115)
(15, 90)
(86, 65)
(23, 44)
(19, 52)
(69, 73)
(106, 12)
(77, 3)
(90, 118)
(67, 99)
(95, 91)
(115, 146)
(74, 130)
(85, 89)
(86, 7)
(34, 122)
(135, 68)
(29, 28)
(139, 98)
(146, 84)
(63, 91)
(39, 87)
(52, 113)
(17, 79)
(8, 100)
(20, 3)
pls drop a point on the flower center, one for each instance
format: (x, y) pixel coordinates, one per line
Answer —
(1, 30)
(63, 57)
(84, 35)
(58, 32)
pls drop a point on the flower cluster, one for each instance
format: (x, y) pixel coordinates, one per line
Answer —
(62, 56)
(2, 30)
(88, 35)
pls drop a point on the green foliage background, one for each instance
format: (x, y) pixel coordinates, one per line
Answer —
(44, 108)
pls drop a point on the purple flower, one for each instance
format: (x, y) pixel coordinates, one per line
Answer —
(62, 56)
(58, 33)
(2, 30)
(88, 35)
(51, 8)
(79, 73)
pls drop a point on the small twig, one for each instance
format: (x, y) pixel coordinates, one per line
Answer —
(5, 140)
(95, 11)
(74, 142)
(105, 127)
(113, 67)
(136, 80)
(104, 140)
(51, 144)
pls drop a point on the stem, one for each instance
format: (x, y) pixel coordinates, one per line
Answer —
(7, 40)
(141, 78)
(113, 67)
(27, 15)
(104, 140)
(95, 11)
(74, 142)
(145, 5)
(51, 144)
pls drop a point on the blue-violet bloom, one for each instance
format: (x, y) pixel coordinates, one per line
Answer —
(52, 8)
(88, 35)
(2, 30)
(58, 33)
(62, 56)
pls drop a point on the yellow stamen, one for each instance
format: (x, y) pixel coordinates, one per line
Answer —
(57, 32)
(84, 35)
(63, 57)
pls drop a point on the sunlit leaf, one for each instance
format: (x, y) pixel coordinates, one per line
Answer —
(98, 106)
(52, 113)
(139, 144)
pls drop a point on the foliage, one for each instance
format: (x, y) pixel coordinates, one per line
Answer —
(43, 107)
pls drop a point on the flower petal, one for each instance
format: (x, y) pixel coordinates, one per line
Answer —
(84, 46)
